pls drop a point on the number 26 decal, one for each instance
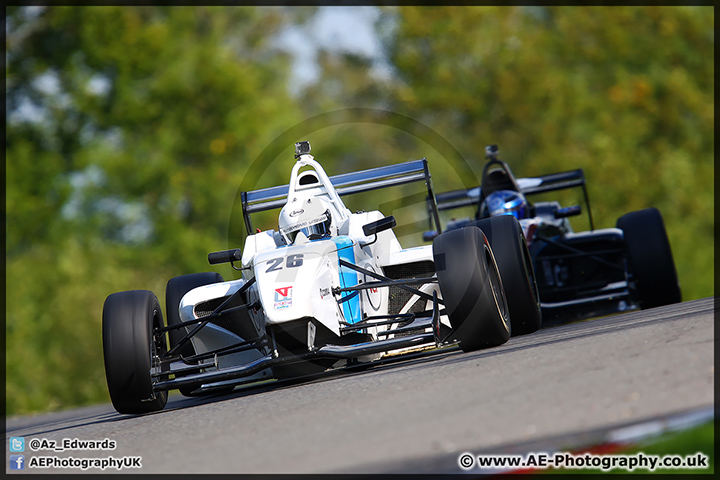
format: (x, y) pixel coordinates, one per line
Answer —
(292, 261)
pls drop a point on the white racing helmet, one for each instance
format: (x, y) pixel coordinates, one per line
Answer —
(308, 215)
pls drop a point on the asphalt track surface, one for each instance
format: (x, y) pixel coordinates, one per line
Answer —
(550, 389)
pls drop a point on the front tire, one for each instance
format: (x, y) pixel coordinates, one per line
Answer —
(650, 262)
(471, 289)
(129, 348)
(508, 245)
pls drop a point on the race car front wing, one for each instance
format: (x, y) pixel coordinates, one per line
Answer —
(203, 369)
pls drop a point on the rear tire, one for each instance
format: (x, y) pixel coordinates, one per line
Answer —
(649, 259)
(129, 347)
(176, 288)
(508, 245)
(471, 289)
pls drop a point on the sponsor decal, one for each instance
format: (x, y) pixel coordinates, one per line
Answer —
(373, 295)
(307, 223)
(324, 292)
(295, 213)
(283, 298)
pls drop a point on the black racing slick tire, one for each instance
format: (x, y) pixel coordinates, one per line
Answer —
(508, 245)
(471, 289)
(129, 347)
(175, 290)
(650, 263)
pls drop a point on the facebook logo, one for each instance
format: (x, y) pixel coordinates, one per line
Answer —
(17, 462)
(17, 444)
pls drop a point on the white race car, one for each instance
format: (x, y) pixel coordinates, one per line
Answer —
(329, 288)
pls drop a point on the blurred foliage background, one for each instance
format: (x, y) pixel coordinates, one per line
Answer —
(130, 132)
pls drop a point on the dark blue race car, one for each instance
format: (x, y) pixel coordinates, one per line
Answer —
(578, 274)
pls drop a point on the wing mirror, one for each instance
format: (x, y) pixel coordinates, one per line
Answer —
(567, 212)
(232, 255)
(373, 228)
(429, 235)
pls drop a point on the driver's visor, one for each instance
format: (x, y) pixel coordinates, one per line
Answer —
(317, 227)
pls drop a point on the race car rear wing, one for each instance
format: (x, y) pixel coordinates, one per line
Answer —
(528, 186)
(346, 184)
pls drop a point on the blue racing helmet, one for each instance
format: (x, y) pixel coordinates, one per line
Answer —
(506, 202)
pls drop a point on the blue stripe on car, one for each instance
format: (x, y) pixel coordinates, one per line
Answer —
(350, 301)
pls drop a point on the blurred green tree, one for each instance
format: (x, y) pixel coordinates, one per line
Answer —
(129, 132)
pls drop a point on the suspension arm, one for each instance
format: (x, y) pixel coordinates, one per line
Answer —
(389, 281)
